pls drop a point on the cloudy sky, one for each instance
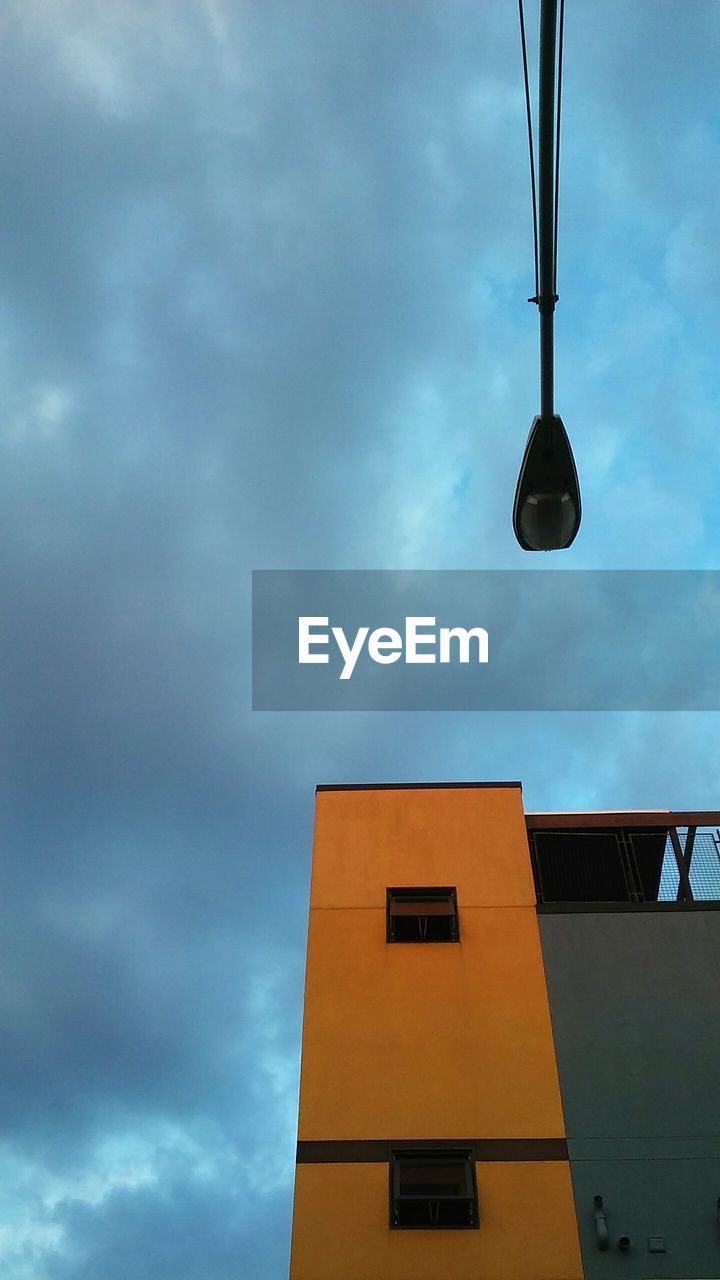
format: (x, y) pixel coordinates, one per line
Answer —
(263, 270)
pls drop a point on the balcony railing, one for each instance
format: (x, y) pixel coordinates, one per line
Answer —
(626, 864)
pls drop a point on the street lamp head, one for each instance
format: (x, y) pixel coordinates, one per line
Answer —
(546, 512)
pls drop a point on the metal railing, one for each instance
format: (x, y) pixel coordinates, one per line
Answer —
(626, 865)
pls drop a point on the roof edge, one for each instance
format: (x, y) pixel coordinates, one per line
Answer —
(413, 786)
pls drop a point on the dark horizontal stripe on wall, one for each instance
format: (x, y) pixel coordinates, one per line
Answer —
(377, 1151)
(414, 786)
(599, 908)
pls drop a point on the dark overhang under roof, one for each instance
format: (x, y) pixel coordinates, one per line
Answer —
(633, 819)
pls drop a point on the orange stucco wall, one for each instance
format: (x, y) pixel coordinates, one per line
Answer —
(438, 1041)
(366, 841)
(427, 1042)
(527, 1228)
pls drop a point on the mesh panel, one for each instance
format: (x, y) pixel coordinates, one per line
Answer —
(704, 868)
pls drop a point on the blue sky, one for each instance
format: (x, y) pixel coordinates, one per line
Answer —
(263, 270)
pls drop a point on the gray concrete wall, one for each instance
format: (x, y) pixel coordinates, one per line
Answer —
(635, 1006)
(668, 1202)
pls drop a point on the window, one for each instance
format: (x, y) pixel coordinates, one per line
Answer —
(422, 915)
(433, 1190)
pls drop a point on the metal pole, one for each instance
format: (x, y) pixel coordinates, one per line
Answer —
(684, 887)
(687, 854)
(546, 201)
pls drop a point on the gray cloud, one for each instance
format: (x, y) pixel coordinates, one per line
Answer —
(263, 277)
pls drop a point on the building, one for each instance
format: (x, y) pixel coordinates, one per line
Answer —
(511, 1041)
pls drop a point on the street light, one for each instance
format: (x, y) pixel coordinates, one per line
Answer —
(547, 510)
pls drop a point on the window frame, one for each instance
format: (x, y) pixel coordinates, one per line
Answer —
(415, 893)
(463, 1154)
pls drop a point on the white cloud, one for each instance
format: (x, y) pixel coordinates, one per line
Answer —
(40, 415)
